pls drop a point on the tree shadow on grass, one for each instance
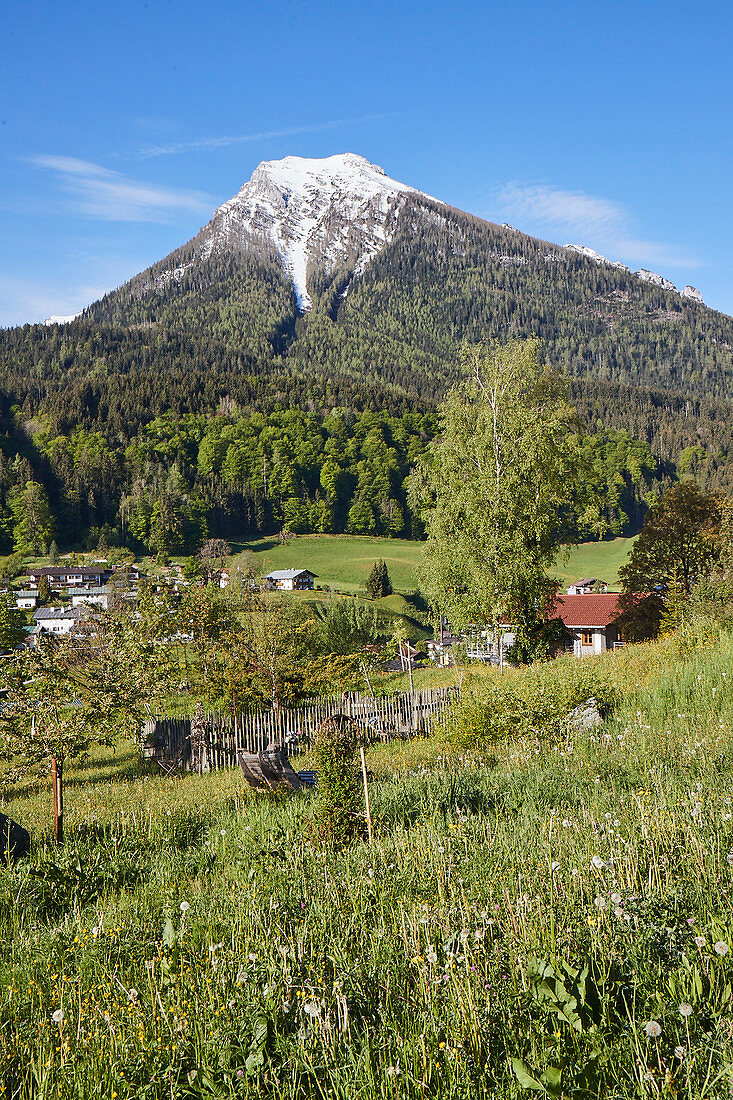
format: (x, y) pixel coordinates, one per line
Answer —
(125, 765)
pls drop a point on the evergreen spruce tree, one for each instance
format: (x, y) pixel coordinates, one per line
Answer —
(373, 584)
(385, 584)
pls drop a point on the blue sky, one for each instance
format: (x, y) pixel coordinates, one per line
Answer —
(123, 125)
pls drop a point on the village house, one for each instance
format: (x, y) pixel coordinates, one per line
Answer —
(591, 622)
(587, 586)
(94, 596)
(69, 576)
(57, 620)
(289, 580)
(26, 599)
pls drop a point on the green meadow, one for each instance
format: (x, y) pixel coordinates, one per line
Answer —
(544, 910)
(343, 561)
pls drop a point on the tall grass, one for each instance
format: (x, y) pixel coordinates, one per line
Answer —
(523, 926)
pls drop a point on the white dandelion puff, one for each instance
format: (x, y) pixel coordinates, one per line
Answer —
(652, 1029)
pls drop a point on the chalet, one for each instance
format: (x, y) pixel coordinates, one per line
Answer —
(590, 621)
(289, 580)
(69, 576)
(57, 620)
(587, 586)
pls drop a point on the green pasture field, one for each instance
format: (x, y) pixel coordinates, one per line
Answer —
(340, 561)
(543, 910)
(595, 559)
(344, 561)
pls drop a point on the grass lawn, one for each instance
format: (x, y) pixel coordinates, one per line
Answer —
(343, 561)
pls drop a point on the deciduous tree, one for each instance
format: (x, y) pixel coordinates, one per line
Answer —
(498, 484)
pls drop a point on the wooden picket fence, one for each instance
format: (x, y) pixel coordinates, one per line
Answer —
(402, 714)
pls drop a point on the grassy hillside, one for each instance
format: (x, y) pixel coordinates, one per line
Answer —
(343, 561)
(595, 559)
(561, 913)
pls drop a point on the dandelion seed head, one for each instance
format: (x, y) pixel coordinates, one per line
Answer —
(721, 948)
(184, 907)
(685, 1009)
(652, 1029)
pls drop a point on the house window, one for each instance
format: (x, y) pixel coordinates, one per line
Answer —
(586, 637)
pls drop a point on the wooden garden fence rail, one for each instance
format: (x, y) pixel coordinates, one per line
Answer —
(402, 714)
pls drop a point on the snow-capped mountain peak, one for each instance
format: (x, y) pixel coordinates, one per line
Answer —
(338, 210)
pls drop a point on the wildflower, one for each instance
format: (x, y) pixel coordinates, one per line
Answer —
(312, 1009)
(185, 906)
(616, 899)
(685, 1009)
(652, 1029)
(133, 995)
(566, 823)
(699, 941)
(58, 1016)
(597, 862)
(393, 1071)
(478, 935)
(679, 1052)
(721, 948)
(430, 955)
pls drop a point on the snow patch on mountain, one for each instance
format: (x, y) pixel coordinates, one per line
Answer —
(337, 210)
(591, 254)
(63, 320)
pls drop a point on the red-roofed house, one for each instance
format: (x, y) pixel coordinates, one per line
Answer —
(590, 621)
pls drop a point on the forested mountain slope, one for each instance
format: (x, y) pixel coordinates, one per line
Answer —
(350, 300)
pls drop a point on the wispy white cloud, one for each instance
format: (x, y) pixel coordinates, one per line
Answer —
(260, 135)
(108, 195)
(577, 218)
(571, 211)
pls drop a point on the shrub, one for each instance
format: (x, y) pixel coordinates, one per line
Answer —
(339, 803)
(530, 702)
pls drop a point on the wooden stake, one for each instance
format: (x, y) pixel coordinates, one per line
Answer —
(366, 793)
(57, 779)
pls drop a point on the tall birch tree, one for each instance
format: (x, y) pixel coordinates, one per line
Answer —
(498, 485)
